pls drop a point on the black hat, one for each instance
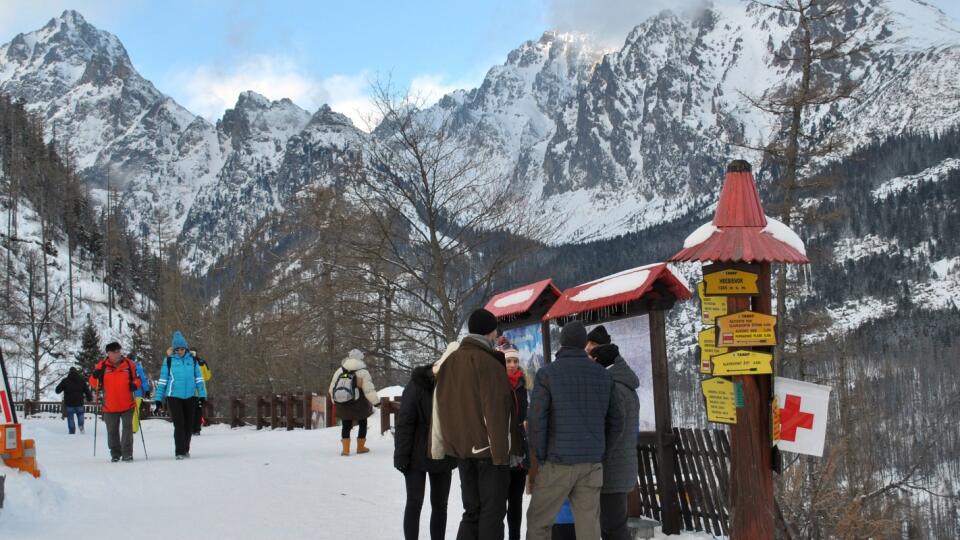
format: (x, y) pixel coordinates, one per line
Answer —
(573, 334)
(481, 322)
(599, 336)
(113, 346)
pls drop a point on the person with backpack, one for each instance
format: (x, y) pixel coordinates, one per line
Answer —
(181, 384)
(354, 397)
(142, 393)
(74, 389)
(411, 458)
(116, 377)
(519, 459)
(198, 420)
(620, 465)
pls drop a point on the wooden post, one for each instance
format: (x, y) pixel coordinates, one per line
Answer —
(276, 411)
(667, 486)
(308, 410)
(751, 474)
(330, 412)
(545, 331)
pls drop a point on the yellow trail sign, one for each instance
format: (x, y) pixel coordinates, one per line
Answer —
(731, 281)
(720, 395)
(711, 307)
(707, 339)
(746, 329)
(743, 363)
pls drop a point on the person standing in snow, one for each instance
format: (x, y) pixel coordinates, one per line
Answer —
(207, 375)
(474, 414)
(117, 376)
(142, 393)
(620, 464)
(410, 455)
(354, 397)
(74, 390)
(181, 385)
(519, 460)
(572, 417)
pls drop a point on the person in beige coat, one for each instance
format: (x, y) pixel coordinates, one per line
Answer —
(354, 397)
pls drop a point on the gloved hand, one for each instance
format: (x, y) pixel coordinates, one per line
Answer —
(158, 407)
(402, 466)
(377, 404)
(98, 374)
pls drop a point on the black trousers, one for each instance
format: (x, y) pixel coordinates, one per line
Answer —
(439, 493)
(518, 481)
(182, 412)
(613, 516)
(347, 425)
(483, 487)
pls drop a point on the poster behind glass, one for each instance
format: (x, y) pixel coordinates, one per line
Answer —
(632, 336)
(529, 342)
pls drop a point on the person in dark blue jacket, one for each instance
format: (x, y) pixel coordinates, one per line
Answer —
(572, 419)
(181, 384)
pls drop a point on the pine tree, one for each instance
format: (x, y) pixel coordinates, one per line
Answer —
(89, 348)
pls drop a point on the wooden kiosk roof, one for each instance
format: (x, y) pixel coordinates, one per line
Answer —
(522, 299)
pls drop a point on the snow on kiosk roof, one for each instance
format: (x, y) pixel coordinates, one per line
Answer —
(618, 289)
(521, 299)
(740, 232)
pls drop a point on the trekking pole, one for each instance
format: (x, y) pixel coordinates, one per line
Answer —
(142, 439)
(96, 421)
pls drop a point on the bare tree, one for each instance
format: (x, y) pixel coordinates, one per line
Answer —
(446, 221)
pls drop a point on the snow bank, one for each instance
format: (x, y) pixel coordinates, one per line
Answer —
(700, 235)
(613, 286)
(784, 234)
(390, 392)
(514, 299)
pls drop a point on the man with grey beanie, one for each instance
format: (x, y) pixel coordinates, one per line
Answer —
(572, 421)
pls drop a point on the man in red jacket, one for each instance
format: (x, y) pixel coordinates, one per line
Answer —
(117, 376)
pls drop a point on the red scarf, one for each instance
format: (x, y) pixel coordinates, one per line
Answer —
(515, 378)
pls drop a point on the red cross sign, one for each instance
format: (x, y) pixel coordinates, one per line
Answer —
(791, 418)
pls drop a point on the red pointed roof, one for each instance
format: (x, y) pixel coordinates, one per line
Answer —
(740, 230)
(521, 299)
(619, 288)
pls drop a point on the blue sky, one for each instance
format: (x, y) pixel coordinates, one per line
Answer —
(203, 53)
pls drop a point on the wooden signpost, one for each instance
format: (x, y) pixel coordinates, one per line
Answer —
(721, 397)
(743, 362)
(730, 281)
(711, 307)
(747, 329)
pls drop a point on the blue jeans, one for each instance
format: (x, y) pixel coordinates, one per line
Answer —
(74, 411)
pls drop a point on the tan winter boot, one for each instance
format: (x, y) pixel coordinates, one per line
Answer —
(361, 449)
(346, 447)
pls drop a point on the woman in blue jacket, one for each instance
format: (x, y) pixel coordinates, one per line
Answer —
(181, 384)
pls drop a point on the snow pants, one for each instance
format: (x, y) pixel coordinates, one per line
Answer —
(182, 412)
(416, 482)
(120, 446)
(483, 488)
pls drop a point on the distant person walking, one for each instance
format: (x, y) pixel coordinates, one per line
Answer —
(117, 376)
(620, 464)
(474, 417)
(354, 397)
(74, 389)
(571, 419)
(199, 419)
(411, 457)
(142, 393)
(181, 385)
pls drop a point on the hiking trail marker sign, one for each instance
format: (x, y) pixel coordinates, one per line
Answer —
(747, 329)
(721, 397)
(711, 307)
(744, 362)
(707, 339)
(730, 281)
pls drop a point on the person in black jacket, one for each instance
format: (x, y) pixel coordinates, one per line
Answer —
(410, 457)
(74, 388)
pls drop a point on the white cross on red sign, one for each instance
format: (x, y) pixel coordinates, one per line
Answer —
(804, 408)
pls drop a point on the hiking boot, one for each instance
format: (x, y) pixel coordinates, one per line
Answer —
(179, 457)
(81, 429)
(361, 446)
(127, 458)
(187, 455)
(346, 447)
(114, 459)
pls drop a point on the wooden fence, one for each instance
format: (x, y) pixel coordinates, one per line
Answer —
(701, 470)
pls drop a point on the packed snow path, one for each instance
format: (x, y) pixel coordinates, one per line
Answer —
(238, 484)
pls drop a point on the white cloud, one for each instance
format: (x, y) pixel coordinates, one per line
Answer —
(209, 90)
(609, 21)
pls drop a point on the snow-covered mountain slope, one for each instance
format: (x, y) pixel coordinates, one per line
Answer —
(114, 123)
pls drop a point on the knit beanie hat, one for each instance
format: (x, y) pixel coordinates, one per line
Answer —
(573, 334)
(605, 355)
(511, 352)
(481, 322)
(355, 354)
(599, 336)
(179, 342)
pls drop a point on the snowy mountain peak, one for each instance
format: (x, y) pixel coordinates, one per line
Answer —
(327, 116)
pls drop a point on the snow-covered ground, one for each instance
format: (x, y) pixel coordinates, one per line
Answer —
(238, 484)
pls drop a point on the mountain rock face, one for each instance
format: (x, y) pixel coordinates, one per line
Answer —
(637, 135)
